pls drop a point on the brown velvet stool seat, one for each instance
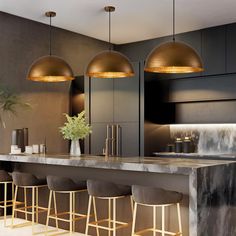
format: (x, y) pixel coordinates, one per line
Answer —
(111, 192)
(27, 181)
(63, 185)
(5, 180)
(156, 197)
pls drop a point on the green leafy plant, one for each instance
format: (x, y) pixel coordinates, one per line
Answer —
(9, 102)
(75, 127)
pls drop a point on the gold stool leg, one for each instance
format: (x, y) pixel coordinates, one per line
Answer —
(88, 215)
(12, 194)
(49, 210)
(37, 204)
(33, 209)
(154, 220)
(134, 219)
(5, 204)
(162, 221)
(109, 216)
(114, 217)
(71, 214)
(14, 207)
(55, 207)
(132, 204)
(73, 199)
(25, 203)
(179, 219)
(95, 214)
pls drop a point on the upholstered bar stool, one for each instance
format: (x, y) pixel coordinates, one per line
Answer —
(110, 192)
(5, 180)
(156, 198)
(63, 185)
(31, 182)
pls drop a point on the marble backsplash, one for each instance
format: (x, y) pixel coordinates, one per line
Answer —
(208, 138)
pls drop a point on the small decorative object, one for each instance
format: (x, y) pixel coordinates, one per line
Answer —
(15, 149)
(75, 129)
(178, 145)
(187, 145)
(28, 149)
(42, 148)
(35, 148)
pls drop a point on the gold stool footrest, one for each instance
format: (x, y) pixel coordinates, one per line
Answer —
(56, 216)
(96, 224)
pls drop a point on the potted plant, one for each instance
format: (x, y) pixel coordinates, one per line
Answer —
(75, 129)
(9, 102)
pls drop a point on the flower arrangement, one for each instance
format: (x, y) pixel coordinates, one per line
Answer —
(9, 102)
(76, 127)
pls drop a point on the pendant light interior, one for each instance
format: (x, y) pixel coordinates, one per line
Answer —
(50, 68)
(173, 57)
(110, 63)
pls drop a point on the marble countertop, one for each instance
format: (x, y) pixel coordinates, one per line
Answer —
(148, 164)
(208, 156)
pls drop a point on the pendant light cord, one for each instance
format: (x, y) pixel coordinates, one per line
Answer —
(109, 36)
(50, 37)
(174, 20)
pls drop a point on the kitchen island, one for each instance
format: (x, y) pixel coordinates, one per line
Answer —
(208, 185)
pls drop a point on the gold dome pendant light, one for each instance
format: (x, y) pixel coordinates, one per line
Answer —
(173, 57)
(110, 63)
(50, 68)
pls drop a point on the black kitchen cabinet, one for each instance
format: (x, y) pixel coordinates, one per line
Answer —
(115, 101)
(102, 102)
(231, 48)
(98, 138)
(126, 98)
(214, 50)
(129, 138)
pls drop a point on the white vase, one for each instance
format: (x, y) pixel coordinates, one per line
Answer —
(75, 148)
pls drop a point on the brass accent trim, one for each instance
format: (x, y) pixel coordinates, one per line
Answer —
(57, 216)
(50, 13)
(35, 208)
(109, 8)
(112, 224)
(154, 229)
(6, 203)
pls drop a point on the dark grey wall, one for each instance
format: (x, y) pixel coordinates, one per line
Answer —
(21, 42)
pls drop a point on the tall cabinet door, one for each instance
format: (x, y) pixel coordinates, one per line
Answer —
(127, 110)
(213, 50)
(115, 101)
(231, 48)
(101, 100)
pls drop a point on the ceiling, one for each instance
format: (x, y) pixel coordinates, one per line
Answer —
(133, 20)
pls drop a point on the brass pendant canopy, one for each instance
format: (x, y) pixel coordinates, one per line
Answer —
(173, 57)
(110, 63)
(50, 68)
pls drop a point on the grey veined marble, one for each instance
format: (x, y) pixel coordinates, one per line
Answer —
(209, 138)
(211, 192)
